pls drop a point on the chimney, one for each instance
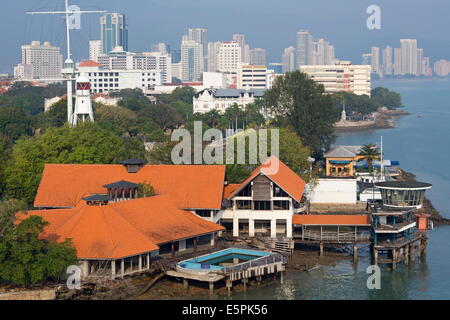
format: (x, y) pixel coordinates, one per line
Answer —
(133, 165)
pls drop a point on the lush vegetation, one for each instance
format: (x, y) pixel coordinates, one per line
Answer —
(370, 152)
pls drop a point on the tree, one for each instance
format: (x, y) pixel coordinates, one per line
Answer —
(370, 153)
(124, 119)
(361, 104)
(88, 143)
(386, 98)
(8, 209)
(298, 101)
(26, 260)
(14, 122)
(165, 116)
(146, 190)
(133, 99)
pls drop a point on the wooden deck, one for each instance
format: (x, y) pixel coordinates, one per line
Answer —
(309, 236)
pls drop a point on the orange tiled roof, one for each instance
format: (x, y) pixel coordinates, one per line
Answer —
(122, 229)
(331, 220)
(190, 186)
(284, 177)
(89, 63)
(229, 189)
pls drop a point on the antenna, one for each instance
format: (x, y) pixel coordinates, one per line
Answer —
(69, 67)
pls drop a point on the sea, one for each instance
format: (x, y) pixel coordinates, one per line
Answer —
(420, 142)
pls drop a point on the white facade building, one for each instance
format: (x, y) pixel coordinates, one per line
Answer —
(252, 77)
(258, 57)
(343, 76)
(23, 72)
(288, 59)
(220, 99)
(46, 61)
(229, 57)
(95, 49)
(103, 80)
(334, 191)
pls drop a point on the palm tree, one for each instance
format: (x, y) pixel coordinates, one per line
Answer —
(369, 152)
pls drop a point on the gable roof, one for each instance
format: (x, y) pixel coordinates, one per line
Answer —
(122, 229)
(331, 220)
(343, 152)
(190, 186)
(284, 177)
(89, 63)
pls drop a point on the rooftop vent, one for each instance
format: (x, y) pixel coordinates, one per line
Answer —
(122, 190)
(133, 165)
(97, 200)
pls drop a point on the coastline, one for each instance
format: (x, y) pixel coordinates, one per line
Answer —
(384, 119)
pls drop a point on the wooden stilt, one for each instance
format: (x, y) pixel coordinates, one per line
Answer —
(355, 254)
(186, 283)
(211, 288)
(412, 254)
(375, 256)
(229, 287)
(406, 255)
(394, 259)
(321, 249)
(282, 277)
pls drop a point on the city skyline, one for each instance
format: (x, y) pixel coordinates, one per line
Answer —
(273, 37)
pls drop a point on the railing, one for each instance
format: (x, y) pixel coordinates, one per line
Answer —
(273, 258)
(335, 236)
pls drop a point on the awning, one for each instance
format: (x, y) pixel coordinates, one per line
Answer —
(339, 162)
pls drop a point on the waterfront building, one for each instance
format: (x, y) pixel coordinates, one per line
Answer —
(220, 99)
(342, 76)
(408, 48)
(40, 61)
(113, 31)
(387, 65)
(340, 161)
(264, 204)
(442, 68)
(95, 49)
(376, 66)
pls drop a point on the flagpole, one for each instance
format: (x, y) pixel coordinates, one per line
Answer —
(382, 163)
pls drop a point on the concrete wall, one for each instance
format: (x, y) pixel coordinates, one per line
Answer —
(334, 191)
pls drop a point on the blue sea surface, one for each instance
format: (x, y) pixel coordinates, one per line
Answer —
(421, 143)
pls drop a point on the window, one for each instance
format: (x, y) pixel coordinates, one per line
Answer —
(281, 205)
(243, 204)
(203, 213)
(246, 191)
(278, 192)
(261, 205)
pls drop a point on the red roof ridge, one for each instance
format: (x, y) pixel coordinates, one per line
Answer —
(89, 63)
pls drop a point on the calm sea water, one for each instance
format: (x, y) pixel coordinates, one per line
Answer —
(421, 143)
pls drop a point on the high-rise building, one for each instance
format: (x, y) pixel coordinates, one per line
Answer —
(160, 47)
(192, 61)
(342, 76)
(442, 68)
(229, 57)
(258, 57)
(375, 52)
(367, 59)
(323, 53)
(288, 59)
(240, 38)
(305, 48)
(397, 61)
(408, 49)
(213, 56)
(252, 77)
(114, 32)
(387, 60)
(44, 60)
(420, 57)
(200, 35)
(95, 49)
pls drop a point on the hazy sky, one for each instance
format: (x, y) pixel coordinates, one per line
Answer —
(266, 23)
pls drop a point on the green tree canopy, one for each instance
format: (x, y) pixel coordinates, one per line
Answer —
(87, 143)
(387, 98)
(26, 260)
(14, 122)
(300, 102)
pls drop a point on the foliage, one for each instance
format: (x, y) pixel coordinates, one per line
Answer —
(26, 260)
(8, 209)
(14, 122)
(56, 116)
(85, 144)
(123, 119)
(146, 190)
(360, 104)
(296, 100)
(133, 99)
(386, 98)
(165, 116)
(370, 153)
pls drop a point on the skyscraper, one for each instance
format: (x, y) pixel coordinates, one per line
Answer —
(367, 59)
(229, 57)
(305, 48)
(288, 59)
(323, 53)
(397, 61)
(258, 57)
(40, 61)
(114, 32)
(192, 61)
(375, 52)
(420, 57)
(408, 49)
(213, 56)
(387, 60)
(240, 38)
(200, 35)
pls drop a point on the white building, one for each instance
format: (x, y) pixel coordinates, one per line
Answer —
(323, 53)
(252, 77)
(258, 57)
(45, 60)
(23, 72)
(265, 203)
(376, 67)
(329, 190)
(95, 49)
(229, 57)
(220, 99)
(288, 59)
(343, 76)
(191, 60)
(103, 80)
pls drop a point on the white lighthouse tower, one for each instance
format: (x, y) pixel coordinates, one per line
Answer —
(83, 105)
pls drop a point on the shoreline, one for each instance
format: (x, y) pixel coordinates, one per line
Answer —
(385, 119)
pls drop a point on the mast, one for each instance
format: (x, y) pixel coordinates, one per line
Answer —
(69, 66)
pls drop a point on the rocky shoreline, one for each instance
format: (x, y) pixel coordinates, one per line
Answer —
(383, 119)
